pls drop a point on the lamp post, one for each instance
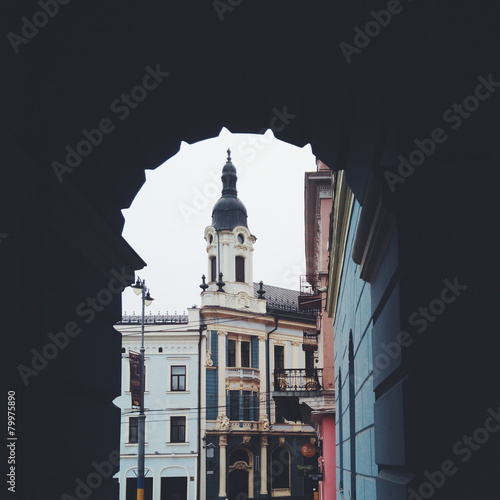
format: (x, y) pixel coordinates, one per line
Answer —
(140, 289)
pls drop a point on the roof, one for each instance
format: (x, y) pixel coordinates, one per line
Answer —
(284, 300)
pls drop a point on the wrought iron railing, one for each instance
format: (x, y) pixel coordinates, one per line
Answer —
(298, 379)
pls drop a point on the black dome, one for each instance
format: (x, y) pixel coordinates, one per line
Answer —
(229, 211)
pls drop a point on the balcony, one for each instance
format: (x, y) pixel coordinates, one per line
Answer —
(296, 391)
(310, 298)
(295, 380)
(310, 340)
(243, 373)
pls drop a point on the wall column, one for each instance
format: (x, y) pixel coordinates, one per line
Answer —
(222, 466)
(237, 361)
(263, 465)
(221, 376)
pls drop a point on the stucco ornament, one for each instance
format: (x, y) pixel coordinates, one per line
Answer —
(224, 423)
(264, 423)
(209, 361)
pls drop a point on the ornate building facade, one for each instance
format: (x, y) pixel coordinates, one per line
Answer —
(253, 348)
(171, 406)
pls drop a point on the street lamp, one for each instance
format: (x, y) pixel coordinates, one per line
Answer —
(140, 289)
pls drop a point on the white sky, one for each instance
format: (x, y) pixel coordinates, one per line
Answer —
(168, 217)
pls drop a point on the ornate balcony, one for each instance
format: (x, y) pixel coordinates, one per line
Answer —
(244, 373)
(293, 380)
(297, 391)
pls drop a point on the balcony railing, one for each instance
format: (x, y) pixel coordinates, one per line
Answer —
(298, 379)
(243, 373)
(310, 342)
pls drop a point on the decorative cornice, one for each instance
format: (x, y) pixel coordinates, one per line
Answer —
(342, 210)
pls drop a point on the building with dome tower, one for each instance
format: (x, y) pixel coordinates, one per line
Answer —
(254, 443)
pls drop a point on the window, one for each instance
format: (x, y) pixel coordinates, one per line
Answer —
(233, 405)
(240, 269)
(279, 419)
(309, 363)
(178, 378)
(173, 488)
(280, 468)
(133, 430)
(352, 415)
(213, 269)
(279, 357)
(247, 405)
(231, 352)
(131, 488)
(245, 353)
(178, 429)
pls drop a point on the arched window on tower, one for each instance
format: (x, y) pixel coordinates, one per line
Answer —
(213, 269)
(240, 269)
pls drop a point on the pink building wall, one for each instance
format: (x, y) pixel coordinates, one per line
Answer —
(327, 487)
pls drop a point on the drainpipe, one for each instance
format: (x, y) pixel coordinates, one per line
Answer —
(268, 365)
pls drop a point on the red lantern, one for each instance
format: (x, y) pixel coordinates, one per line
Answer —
(308, 450)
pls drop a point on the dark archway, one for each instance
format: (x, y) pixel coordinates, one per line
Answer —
(61, 240)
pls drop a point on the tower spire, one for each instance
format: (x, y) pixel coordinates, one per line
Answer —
(229, 211)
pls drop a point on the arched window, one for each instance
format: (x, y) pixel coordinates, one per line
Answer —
(213, 269)
(280, 468)
(340, 428)
(240, 269)
(352, 416)
(238, 455)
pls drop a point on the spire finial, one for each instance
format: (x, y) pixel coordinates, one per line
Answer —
(228, 154)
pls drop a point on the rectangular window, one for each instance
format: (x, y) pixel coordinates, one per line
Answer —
(245, 353)
(178, 378)
(279, 415)
(178, 429)
(231, 352)
(233, 405)
(240, 269)
(279, 357)
(309, 363)
(247, 405)
(133, 429)
(173, 488)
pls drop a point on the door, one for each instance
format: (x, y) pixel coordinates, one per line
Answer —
(238, 485)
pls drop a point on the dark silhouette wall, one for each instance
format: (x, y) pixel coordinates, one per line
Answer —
(95, 92)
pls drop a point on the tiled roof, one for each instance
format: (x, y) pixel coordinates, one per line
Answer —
(277, 293)
(284, 300)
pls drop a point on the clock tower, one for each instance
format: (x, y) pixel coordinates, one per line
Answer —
(230, 251)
